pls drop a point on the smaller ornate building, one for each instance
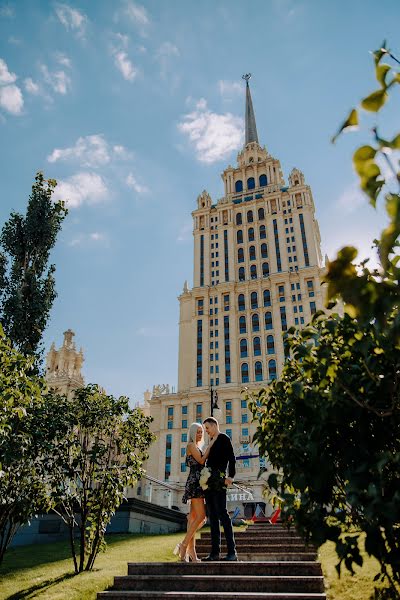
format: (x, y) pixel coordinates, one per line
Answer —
(63, 366)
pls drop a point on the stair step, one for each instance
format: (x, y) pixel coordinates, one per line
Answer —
(260, 547)
(275, 567)
(121, 595)
(275, 556)
(257, 538)
(220, 583)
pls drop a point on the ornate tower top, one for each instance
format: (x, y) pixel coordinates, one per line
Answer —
(63, 366)
(250, 119)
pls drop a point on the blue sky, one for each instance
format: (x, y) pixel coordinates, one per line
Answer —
(135, 108)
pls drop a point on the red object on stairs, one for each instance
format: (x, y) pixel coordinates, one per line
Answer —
(275, 516)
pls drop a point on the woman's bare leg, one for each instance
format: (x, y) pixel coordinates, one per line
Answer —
(196, 519)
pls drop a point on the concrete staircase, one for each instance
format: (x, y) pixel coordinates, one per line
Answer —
(274, 564)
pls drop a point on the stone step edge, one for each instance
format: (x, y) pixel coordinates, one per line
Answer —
(250, 562)
(229, 577)
(221, 595)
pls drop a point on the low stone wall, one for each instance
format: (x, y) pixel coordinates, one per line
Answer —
(133, 516)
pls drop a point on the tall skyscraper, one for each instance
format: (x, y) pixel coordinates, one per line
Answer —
(257, 271)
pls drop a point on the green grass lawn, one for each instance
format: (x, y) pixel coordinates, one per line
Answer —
(46, 572)
(349, 587)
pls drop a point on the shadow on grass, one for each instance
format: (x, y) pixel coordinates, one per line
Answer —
(27, 557)
(33, 591)
(390, 593)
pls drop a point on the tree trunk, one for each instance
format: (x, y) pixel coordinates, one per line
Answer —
(72, 543)
(8, 531)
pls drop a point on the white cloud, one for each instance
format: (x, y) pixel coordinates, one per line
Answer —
(59, 81)
(11, 99)
(82, 188)
(213, 135)
(137, 13)
(13, 40)
(228, 89)
(90, 151)
(32, 87)
(132, 182)
(5, 76)
(7, 11)
(123, 40)
(122, 152)
(84, 238)
(124, 65)
(63, 59)
(72, 19)
(97, 236)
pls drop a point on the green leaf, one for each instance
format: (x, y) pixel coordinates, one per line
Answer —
(350, 123)
(362, 154)
(374, 101)
(381, 72)
(395, 143)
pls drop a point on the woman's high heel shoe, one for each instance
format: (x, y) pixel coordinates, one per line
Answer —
(178, 552)
(193, 557)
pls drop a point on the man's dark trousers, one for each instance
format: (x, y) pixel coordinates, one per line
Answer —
(217, 512)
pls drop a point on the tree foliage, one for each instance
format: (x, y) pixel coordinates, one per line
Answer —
(100, 452)
(22, 490)
(330, 426)
(27, 286)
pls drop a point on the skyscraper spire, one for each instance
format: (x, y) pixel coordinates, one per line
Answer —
(250, 119)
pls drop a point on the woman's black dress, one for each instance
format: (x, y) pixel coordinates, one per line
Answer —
(192, 487)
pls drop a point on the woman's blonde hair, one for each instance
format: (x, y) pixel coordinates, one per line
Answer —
(192, 433)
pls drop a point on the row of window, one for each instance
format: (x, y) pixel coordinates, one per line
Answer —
(256, 346)
(251, 183)
(253, 272)
(255, 323)
(254, 300)
(252, 253)
(258, 371)
(250, 234)
(250, 216)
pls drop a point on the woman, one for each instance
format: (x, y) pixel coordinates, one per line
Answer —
(195, 459)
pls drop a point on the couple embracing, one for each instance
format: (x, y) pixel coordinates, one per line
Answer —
(208, 489)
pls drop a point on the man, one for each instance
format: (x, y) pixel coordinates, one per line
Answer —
(220, 458)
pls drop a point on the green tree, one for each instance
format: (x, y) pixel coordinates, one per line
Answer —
(22, 491)
(27, 286)
(100, 453)
(330, 426)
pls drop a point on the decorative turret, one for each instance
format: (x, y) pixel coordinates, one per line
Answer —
(296, 177)
(204, 200)
(63, 366)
